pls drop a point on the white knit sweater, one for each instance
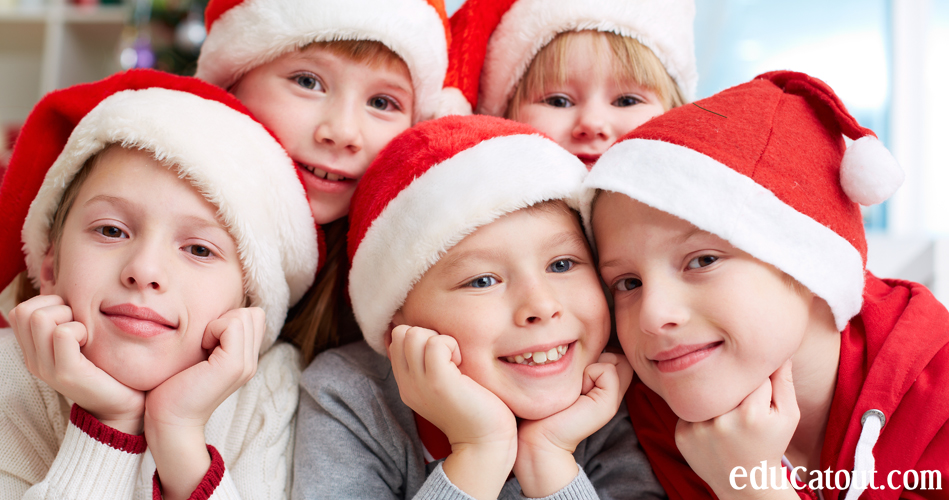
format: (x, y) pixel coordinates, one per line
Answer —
(49, 450)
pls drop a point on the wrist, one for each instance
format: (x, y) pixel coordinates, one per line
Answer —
(181, 457)
(544, 470)
(128, 422)
(481, 469)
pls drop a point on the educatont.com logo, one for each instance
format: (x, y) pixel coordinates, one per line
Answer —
(763, 477)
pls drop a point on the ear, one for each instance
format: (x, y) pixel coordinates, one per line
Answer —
(48, 272)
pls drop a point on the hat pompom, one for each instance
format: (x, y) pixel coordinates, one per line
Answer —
(868, 172)
(453, 102)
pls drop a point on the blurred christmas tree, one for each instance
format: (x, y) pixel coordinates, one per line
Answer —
(165, 35)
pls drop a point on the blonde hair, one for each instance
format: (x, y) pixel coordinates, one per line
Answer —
(631, 61)
(323, 318)
(370, 52)
(24, 286)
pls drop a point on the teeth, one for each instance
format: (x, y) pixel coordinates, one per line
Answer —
(323, 174)
(539, 357)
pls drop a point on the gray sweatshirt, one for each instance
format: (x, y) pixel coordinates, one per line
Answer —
(356, 439)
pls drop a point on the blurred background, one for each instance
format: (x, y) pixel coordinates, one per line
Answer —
(887, 59)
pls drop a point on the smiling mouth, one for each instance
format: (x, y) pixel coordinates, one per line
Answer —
(539, 357)
(322, 174)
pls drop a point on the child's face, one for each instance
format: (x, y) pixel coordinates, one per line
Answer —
(522, 285)
(332, 114)
(702, 323)
(145, 265)
(592, 108)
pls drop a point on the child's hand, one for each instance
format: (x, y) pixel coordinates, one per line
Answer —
(51, 343)
(177, 410)
(480, 427)
(545, 462)
(760, 428)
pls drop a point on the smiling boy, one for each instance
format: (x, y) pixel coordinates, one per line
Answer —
(147, 204)
(471, 271)
(730, 235)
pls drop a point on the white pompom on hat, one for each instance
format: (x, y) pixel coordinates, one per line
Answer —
(429, 188)
(199, 130)
(243, 34)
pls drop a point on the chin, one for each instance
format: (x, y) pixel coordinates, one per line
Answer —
(694, 408)
(534, 410)
(140, 379)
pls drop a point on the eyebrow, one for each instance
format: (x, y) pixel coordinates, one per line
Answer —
(452, 262)
(678, 240)
(104, 198)
(192, 220)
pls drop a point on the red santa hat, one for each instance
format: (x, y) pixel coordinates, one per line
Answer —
(196, 128)
(243, 34)
(429, 188)
(494, 41)
(764, 165)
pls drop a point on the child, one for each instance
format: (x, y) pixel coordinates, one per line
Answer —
(732, 240)
(335, 80)
(163, 272)
(584, 72)
(466, 226)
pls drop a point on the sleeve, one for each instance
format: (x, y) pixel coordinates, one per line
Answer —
(250, 436)
(45, 455)
(94, 461)
(348, 445)
(654, 424)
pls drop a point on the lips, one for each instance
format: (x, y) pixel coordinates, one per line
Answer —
(138, 321)
(588, 159)
(322, 173)
(683, 356)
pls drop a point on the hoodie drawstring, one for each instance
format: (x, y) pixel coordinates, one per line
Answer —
(863, 462)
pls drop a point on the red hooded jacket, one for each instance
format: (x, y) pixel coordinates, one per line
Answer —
(894, 357)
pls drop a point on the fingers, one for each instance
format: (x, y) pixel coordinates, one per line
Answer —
(36, 333)
(783, 396)
(67, 339)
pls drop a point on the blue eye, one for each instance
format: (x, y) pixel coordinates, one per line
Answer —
(560, 266)
(111, 232)
(558, 101)
(627, 284)
(308, 81)
(626, 101)
(702, 261)
(483, 282)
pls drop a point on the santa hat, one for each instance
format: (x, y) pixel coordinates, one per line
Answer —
(243, 34)
(196, 128)
(494, 41)
(429, 188)
(764, 166)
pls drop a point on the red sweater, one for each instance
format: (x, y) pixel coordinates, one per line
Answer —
(894, 357)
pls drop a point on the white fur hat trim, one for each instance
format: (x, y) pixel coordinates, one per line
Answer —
(258, 31)
(211, 145)
(717, 199)
(665, 27)
(437, 210)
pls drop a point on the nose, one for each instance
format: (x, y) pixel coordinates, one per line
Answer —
(663, 307)
(591, 124)
(145, 268)
(538, 305)
(339, 125)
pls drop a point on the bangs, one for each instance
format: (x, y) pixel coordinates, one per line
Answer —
(630, 61)
(370, 52)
